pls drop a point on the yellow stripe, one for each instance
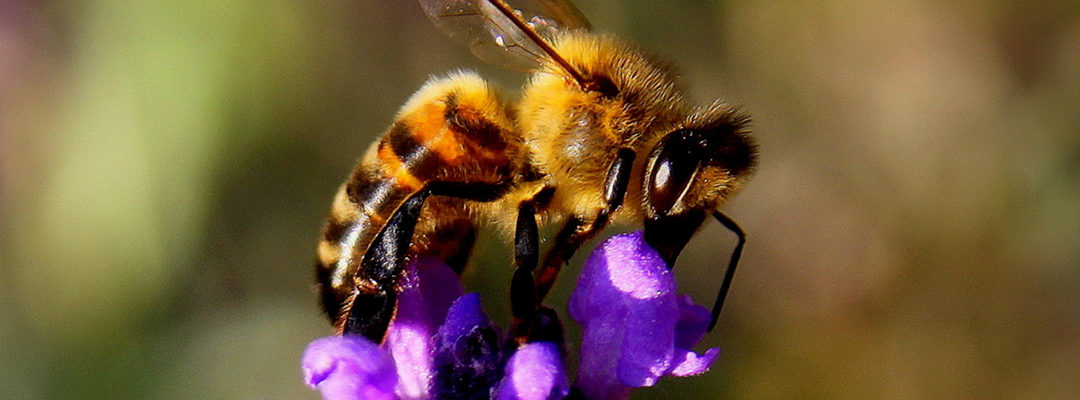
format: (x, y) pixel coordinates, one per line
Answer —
(393, 168)
(343, 210)
(429, 128)
(329, 253)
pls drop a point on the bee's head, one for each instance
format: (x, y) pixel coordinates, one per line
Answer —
(692, 170)
(700, 164)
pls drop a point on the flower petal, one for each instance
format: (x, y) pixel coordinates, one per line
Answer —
(464, 315)
(439, 286)
(466, 349)
(688, 363)
(693, 323)
(349, 367)
(534, 372)
(635, 327)
(625, 302)
(428, 288)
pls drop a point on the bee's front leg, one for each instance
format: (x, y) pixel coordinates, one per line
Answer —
(730, 224)
(669, 234)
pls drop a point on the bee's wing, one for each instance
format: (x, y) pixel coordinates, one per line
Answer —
(512, 35)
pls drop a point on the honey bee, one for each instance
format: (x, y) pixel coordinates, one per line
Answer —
(600, 135)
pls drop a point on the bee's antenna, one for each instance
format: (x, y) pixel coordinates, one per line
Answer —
(730, 273)
(536, 38)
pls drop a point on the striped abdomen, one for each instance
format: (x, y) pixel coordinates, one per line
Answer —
(451, 130)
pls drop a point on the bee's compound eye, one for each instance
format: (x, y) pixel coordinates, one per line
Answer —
(673, 169)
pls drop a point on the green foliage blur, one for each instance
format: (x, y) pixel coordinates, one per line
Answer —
(914, 226)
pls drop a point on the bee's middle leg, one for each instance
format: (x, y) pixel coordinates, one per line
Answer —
(577, 230)
(529, 287)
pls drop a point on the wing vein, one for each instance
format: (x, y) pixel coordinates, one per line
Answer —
(513, 33)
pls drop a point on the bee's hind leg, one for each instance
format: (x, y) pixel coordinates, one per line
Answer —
(372, 305)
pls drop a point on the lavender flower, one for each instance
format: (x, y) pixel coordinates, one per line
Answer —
(348, 368)
(635, 331)
(535, 372)
(467, 355)
(429, 288)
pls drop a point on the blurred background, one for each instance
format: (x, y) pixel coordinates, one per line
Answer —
(914, 226)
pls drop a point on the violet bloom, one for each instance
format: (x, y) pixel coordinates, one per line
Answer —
(635, 331)
(635, 328)
(349, 367)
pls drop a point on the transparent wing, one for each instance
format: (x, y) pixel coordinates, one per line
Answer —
(516, 40)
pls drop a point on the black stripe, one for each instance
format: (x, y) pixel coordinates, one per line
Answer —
(403, 143)
(334, 230)
(422, 163)
(364, 184)
(331, 299)
(479, 131)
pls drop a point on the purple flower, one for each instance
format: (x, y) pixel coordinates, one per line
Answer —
(535, 372)
(349, 367)
(635, 330)
(467, 353)
(427, 292)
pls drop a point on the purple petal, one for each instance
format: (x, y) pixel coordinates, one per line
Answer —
(599, 357)
(464, 315)
(693, 323)
(440, 286)
(648, 345)
(635, 327)
(428, 288)
(467, 359)
(349, 367)
(688, 363)
(623, 281)
(534, 372)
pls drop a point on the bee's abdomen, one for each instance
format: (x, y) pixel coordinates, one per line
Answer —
(451, 130)
(447, 139)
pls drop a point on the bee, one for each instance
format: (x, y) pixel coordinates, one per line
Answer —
(600, 135)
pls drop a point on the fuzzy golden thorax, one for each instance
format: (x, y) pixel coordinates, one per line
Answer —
(574, 134)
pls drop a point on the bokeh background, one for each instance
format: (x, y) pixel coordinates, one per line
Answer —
(914, 224)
